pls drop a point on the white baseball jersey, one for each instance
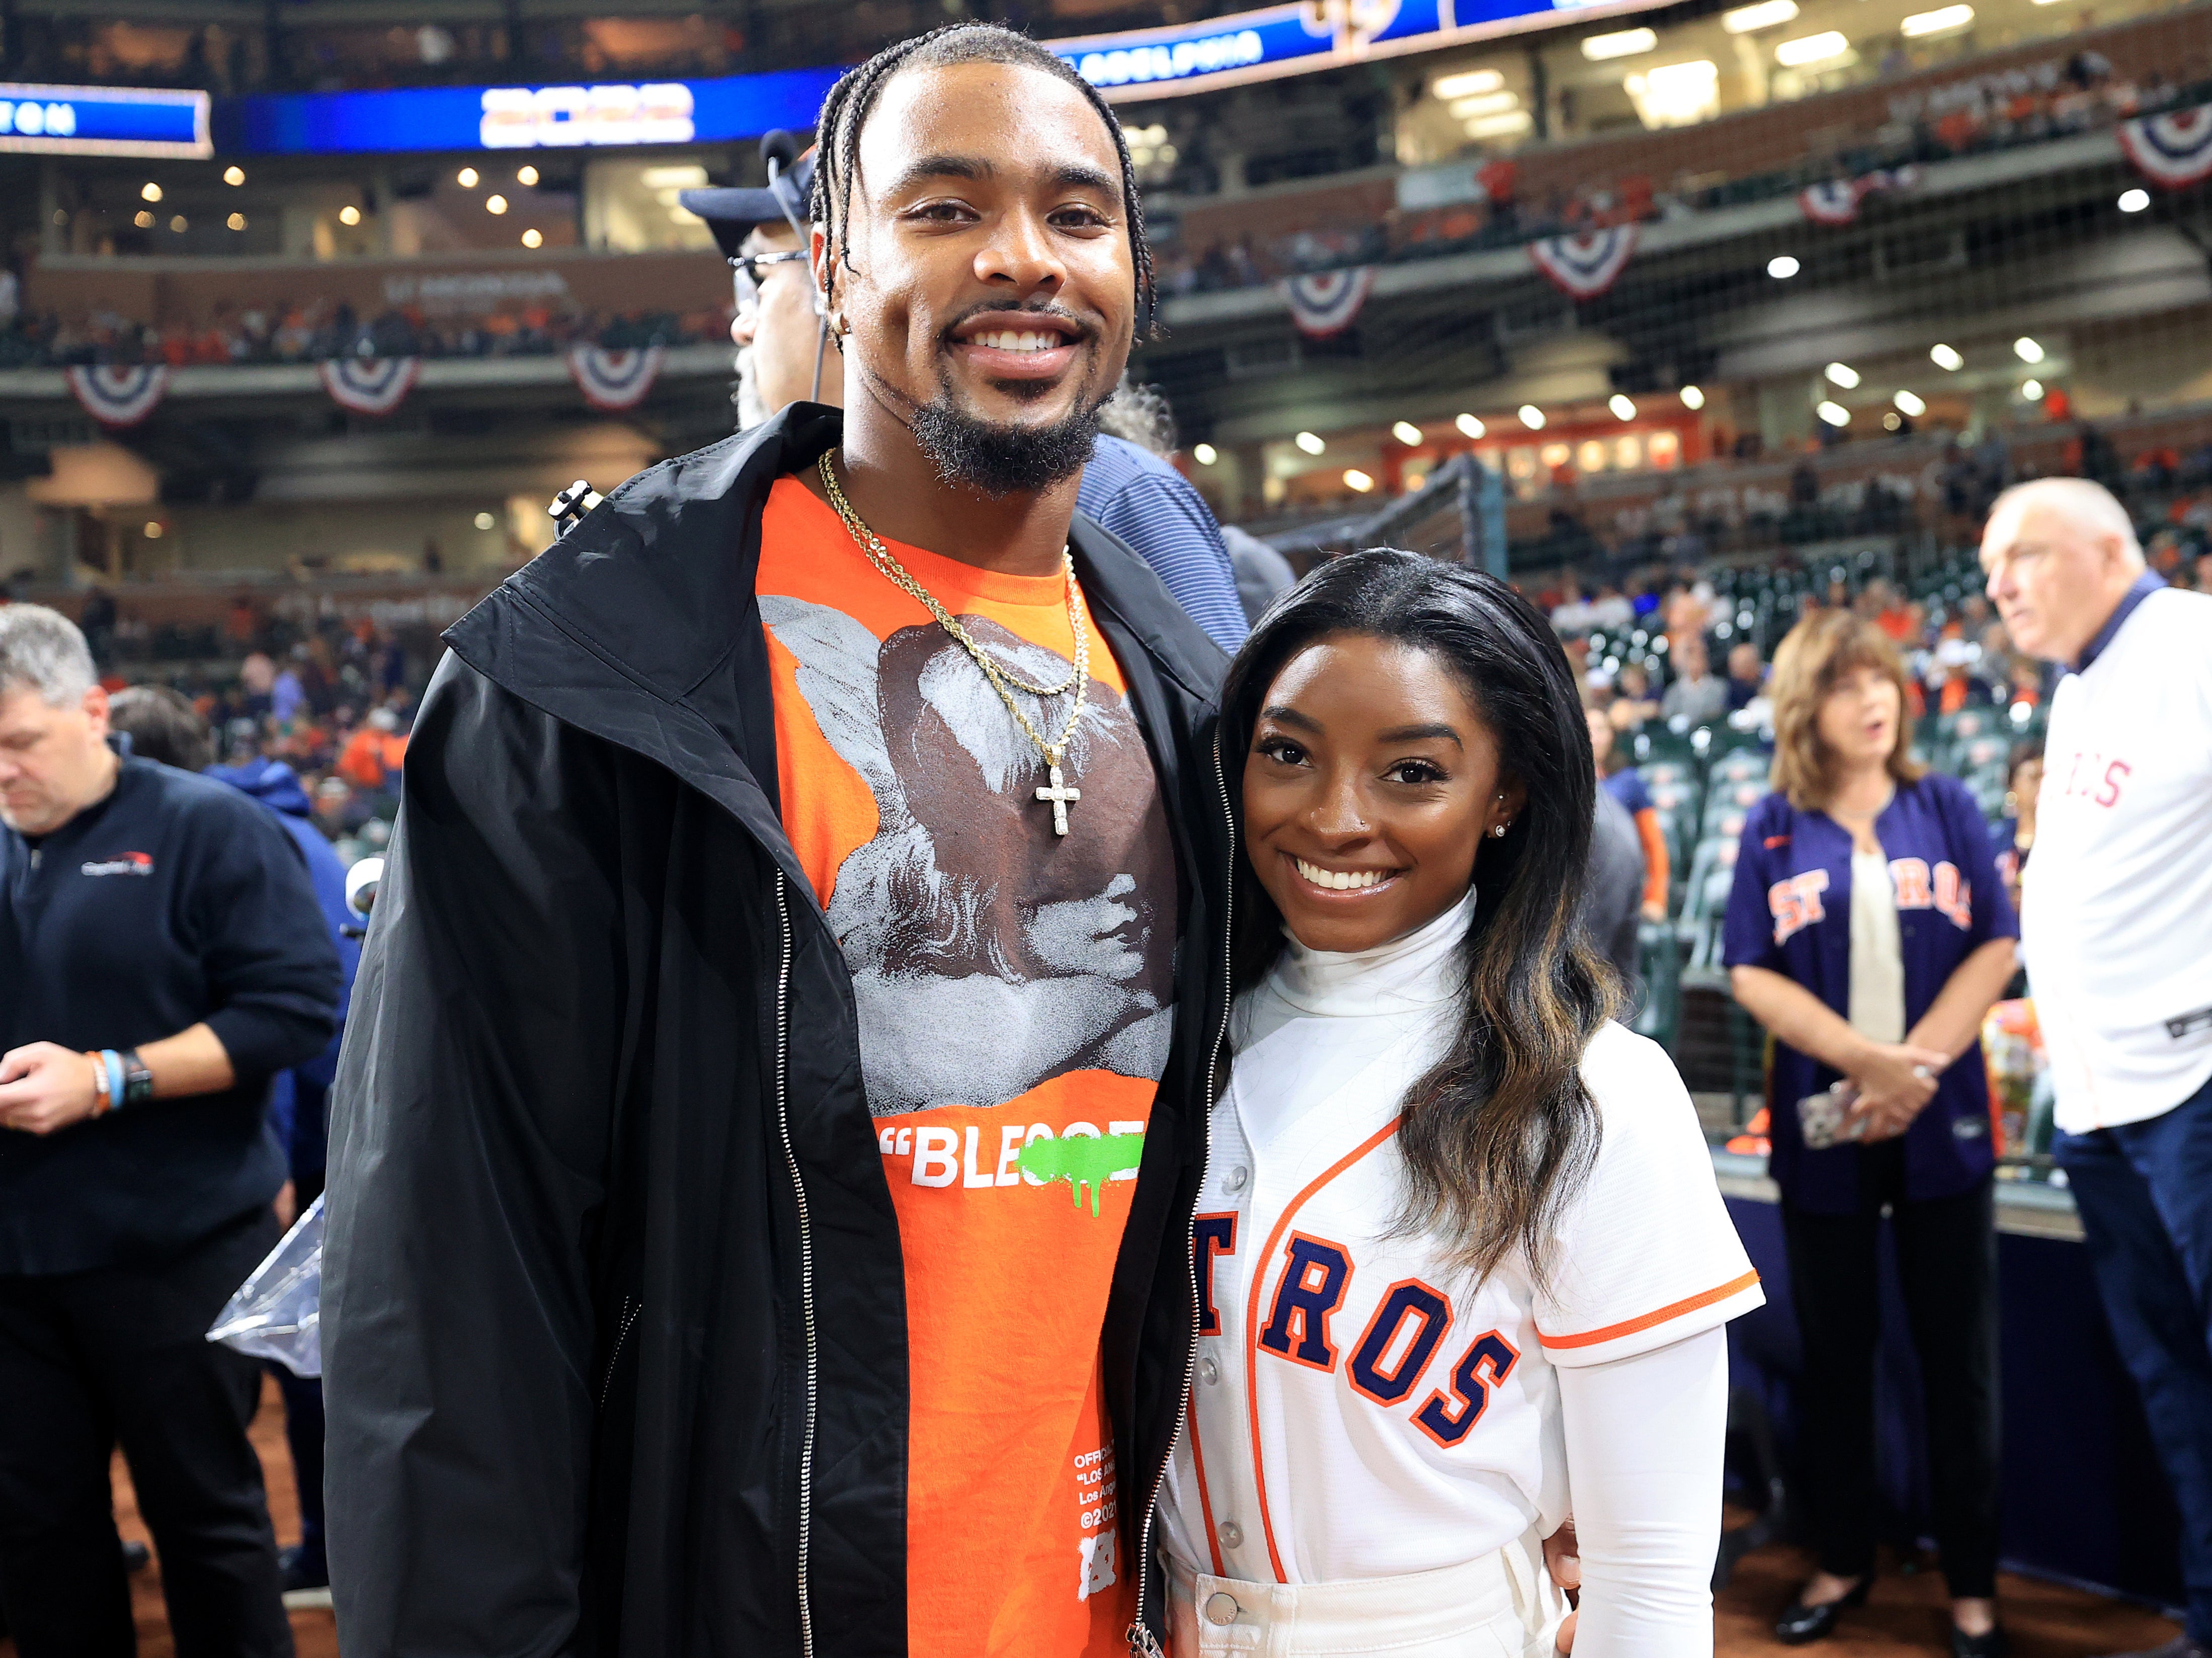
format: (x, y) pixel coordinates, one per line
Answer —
(2115, 901)
(1361, 1409)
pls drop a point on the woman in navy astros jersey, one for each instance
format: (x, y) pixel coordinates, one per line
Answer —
(1867, 929)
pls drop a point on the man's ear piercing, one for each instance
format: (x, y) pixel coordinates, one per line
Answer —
(1498, 831)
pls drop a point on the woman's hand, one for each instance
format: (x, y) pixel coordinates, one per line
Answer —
(1895, 1083)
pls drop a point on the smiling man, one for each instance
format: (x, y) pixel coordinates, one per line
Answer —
(767, 1137)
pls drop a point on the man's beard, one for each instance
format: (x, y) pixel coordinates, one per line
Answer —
(753, 409)
(1003, 460)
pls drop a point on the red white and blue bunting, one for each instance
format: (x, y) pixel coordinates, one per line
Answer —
(1327, 302)
(1583, 266)
(370, 386)
(614, 380)
(119, 397)
(2173, 150)
(1836, 201)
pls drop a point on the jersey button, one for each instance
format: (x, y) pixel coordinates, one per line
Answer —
(1232, 1535)
(1208, 1371)
(1220, 1608)
(1234, 1178)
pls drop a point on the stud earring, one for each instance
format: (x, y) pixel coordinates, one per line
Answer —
(1498, 831)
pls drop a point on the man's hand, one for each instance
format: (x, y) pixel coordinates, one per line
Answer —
(1563, 1559)
(44, 1086)
(1895, 1082)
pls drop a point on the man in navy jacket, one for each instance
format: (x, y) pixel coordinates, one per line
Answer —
(161, 957)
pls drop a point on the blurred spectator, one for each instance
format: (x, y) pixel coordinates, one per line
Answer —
(1747, 675)
(162, 727)
(1633, 702)
(138, 1170)
(1695, 695)
(372, 754)
(1263, 574)
(2014, 834)
(1624, 786)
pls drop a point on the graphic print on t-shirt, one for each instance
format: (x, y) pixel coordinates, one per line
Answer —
(1014, 993)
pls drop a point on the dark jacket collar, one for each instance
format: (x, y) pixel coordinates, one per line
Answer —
(2144, 585)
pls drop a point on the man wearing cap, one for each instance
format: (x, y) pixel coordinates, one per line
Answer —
(787, 355)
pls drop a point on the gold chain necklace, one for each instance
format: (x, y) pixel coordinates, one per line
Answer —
(1056, 794)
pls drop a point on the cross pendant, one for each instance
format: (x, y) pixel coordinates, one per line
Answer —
(1061, 797)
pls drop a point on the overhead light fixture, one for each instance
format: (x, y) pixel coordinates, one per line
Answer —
(1204, 453)
(1940, 20)
(1693, 398)
(1782, 266)
(349, 214)
(149, 192)
(1764, 16)
(179, 224)
(1531, 418)
(236, 222)
(153, 529)
(1496, 126)
(1408, 433)
(2026, 349)
(1834, 413)
(1483, 103)
(1625, 43)
(1310, 443)
(143, 220)
(1622, 408)
(1811, 49)
(687, 177)
(495, 204)
(466, 178)
(2031, 390)
(234, 175)
(526, 177)
(1910, 403)
(1842, 374)
(1357, 481)
(533, 237)
(485, 521)
(1467, 84)
(2134, 201)
(1469, 427)
(1945, 357)
(1676, 94)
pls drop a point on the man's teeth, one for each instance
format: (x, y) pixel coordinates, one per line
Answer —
(1340, 880)
(1007, 340)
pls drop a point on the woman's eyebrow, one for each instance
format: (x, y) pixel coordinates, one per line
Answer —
(1284, 714)
(1422, 733)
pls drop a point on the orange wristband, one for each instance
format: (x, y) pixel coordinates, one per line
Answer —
(101, 1104)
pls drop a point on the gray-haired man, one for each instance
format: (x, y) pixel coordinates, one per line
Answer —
(161, 957)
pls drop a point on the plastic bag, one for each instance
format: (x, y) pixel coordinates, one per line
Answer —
(277, 1312)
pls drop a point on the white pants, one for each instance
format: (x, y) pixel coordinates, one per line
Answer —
(1502, 1606)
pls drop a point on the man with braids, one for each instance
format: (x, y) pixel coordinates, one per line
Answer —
(765, 1144)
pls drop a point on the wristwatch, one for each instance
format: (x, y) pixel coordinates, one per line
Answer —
(137, 1080)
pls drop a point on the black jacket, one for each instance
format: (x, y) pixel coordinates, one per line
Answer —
(614, 1320)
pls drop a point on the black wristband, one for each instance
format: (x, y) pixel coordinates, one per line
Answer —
(137, 1080)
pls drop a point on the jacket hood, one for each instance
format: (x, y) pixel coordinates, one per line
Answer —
(270, 781)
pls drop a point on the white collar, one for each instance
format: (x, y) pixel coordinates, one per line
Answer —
(1420, 969)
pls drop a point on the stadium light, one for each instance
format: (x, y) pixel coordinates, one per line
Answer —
(1834, 413)
(1764, 16)
(1483, 103)
(1945, 357)
(236, 222)
(1693, 397)
(466, 178)
(485, 521)
(2026, 349)
(2031, 390)
(1204, 453)
(234, 175)
(1531, 418)
(526, 177)
(1910, 403)
(532, 237)
(1811, 49)
(1782, 266)
(1842, 374)
(1942, 21)
(1408, 433)
(1622, 408)
(149, 192)
(1310, 443)
(1464, 84)
(2134, 201)
(1470, 427)
(1496, 126)
(153, 529)
(1676, 94)
(349, 214)
(1626, 43)
(1357, 481)
(495, 204)
(142, 219)
(180, 224)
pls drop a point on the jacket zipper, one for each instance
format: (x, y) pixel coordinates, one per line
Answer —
(1140, 1638)
(630, 1310)
(805, 1267)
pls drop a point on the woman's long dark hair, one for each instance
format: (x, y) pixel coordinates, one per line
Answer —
(1502, 1132)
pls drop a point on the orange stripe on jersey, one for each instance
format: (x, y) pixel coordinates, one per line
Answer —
(1204, 1502)
(1254, 1316)
(1631, 1327)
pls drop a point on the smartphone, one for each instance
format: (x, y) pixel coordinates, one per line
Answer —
(1825, 1119)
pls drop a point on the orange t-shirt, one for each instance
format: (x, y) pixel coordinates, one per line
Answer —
(1014, 989)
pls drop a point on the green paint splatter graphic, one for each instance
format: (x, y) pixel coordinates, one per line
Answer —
(1082, 1160)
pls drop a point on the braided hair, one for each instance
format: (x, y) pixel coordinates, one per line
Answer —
(846, 110)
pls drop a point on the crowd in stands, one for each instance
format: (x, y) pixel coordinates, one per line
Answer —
(2071, 94)
(310, 330)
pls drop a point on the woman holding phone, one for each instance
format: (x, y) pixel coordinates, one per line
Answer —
(1869, 931)
(1458, 1242)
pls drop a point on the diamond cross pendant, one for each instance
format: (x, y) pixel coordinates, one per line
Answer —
(1061, 797)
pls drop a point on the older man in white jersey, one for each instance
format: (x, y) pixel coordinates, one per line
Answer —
(2113, 917)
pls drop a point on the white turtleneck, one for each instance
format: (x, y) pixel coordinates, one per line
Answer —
(1338, 1438)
